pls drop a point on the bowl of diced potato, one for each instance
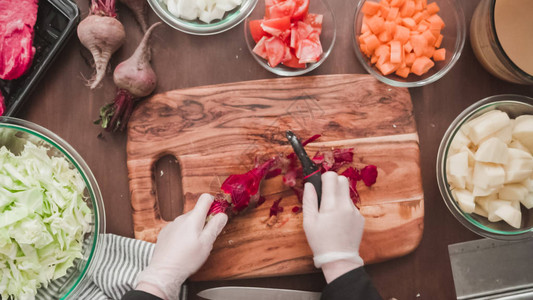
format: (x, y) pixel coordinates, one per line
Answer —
(485, 167)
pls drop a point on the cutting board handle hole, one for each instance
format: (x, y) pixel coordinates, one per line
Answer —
(169, 190)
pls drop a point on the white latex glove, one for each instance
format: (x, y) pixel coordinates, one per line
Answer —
(334, 232)
(182, 248)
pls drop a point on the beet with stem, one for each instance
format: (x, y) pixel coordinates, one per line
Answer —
(134, 79)
(138, 8)
(102, 34)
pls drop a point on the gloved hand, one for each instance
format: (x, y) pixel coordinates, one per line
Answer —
(334, 232)
(182, 248)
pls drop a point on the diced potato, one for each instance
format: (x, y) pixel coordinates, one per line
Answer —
(488, 175)
(517, 145)
(519, 166)
(485, 125)
(493, 206)
(458, 169)
(513, 191)
(510, 215)
(528, 201)
(492, 150)
(465, 199)
(459, 141)
(523, 131)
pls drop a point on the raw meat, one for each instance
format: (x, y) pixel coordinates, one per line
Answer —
(17, 18)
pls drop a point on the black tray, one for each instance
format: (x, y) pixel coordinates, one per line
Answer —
(56, 21)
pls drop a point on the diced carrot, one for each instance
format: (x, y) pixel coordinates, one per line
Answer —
(370, 8)
(409, 22)
(407, 47)
(421, 65)
(390, 26)
(437, 20)
(403, 72)
(364, 28)
(395, 52)
(408, 9)
(384, 9)
(384, 36)
(393, 13)
(382, 50)
(363, 36)
(429, 51)
(421, 28)
(387, 68)
(401, 34)
(419, 44)
(418, 16)
(430, 38)
(433, 8)
(375, 24)
(439, 54)
(418, 5)
(410, 59)
(397, 3)
(439, 41)
(381, 60)
(372, 42)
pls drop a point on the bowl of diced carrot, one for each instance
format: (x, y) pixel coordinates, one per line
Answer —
(408, 43)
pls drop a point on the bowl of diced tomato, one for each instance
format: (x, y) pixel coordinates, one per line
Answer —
(408, 43)
(290, 37)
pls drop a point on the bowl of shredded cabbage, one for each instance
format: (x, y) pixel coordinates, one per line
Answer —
(51, 214)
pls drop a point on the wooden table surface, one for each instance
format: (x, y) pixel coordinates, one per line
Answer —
(63, 104)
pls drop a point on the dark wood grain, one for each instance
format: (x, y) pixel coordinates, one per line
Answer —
(214, 131)
(63, 104)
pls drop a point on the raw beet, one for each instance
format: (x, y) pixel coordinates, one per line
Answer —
(275, 208)
(353, 176)
(244, 187)
(369, 174)
(241, 190)
(2, 105)
(17, 18)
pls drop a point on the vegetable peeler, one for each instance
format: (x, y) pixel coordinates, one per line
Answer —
(311, 171)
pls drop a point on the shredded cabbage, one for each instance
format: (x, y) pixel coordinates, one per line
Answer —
(43, 220)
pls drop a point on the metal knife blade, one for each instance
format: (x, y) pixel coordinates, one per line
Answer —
(311, 171)
(255, 293)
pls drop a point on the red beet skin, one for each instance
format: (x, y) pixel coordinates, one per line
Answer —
(242, 189)
(17, 18)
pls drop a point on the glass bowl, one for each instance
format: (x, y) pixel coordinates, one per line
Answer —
(14, 134)
(514, 106)
(454, 34)
(327, 37)
(231, 19)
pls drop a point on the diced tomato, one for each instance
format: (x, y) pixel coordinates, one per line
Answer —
(276, 26)
(293, 62)
(286, 36)
(301, 31)
(275, 49)
(315, 20)
(260, 49)
(308, 51)
(256, 30)
(282, 9)
(302, 6)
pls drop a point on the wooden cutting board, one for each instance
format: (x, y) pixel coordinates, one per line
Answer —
(214, 131)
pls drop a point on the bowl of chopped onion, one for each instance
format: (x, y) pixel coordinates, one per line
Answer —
(202, 17)
(51, 214)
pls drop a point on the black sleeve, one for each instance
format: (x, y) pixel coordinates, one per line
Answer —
(355, 284)
(139, 295)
